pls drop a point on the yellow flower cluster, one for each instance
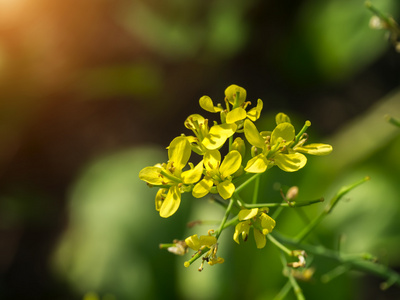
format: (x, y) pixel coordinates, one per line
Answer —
(216, 174)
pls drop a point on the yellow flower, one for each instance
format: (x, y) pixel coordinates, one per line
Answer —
(280, 147)
(208, 138)
(258, 219)
(202, 243)
(218, 174)
(171, 177)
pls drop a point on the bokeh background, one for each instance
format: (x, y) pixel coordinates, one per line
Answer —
(93, 91)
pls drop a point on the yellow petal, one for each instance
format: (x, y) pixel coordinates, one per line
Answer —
(246, 214)
(282, 118)
(236, 115)
(259, 238)
(207, 240)
(202, 188)
(179, 152)
(212, 159)
(258, 164)
(315, 149)
(267, 223)
(171, 202)
(193, 120)
(242, 228)
(193, 242)
(252, 134)
(255, 113)
(231, 164)
(226, 189)
(290, 162)
(218, 135)
(160, 196)
(231, 93)
(207, 104)
(283, 130)
(193, 175)
(151, 175)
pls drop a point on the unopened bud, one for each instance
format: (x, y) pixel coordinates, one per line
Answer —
(239, 145)
(292, 193)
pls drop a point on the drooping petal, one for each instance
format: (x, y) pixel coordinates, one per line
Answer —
(179, 152)
(230, 164)
(207, 240)
(281, 118)
(171, 202)
(207, 104)
(258, 164)
(218, 135)
(252, 134)
(290, 162)
(193, 175)
(246, 214)
(255, 113)
(283, 130)
(151, 175)
(231, 93)
(236, 115)
(160, 196)
(212, 160)
(267, 223)
(202, 188)
(315, 149)
(226, 189)
(193, 242)
(242, 228)
(259, 238)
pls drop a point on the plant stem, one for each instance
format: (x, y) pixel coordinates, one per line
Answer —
(279, 245)
(297, 290)
(283, 204)
(227, 212)
(256, 188)
(334, 201)
(244, 184)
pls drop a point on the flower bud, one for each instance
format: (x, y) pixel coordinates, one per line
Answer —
(239, 145)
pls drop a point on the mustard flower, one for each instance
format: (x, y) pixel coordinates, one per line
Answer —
(235, 96)
(218, 174)
(279, 148)
(207, 138)
(170, 177)
(261, 223)
(205, 242)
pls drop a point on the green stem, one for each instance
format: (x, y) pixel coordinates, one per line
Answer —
(392, 120)
(281, 204)
(256, 188)
(303, 130)
(227, 212)
(244, 184)
(297, 290)
(279, 245)
(334, 201)
(360, 262)
(284, 291)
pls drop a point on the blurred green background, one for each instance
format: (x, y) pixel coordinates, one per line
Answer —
(93, 91)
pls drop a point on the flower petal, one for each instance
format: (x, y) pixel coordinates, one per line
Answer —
(218, 134)
(193, 242)
(236, 115)
(252, 134)
(254, 113)
(242, 228)
(246, 214)
(315, 149)
(259, 238)
(193, 175)
(290, 162)
(212, 160)
(202, 188)
(207, 104)
(151, 175)
(258, 164)
(281, 118)
(267, 223)
(179, 152)
(207, 240)
(171, 202)
(230, 164)
(226, 189)
(284, 131)
(231, 93)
